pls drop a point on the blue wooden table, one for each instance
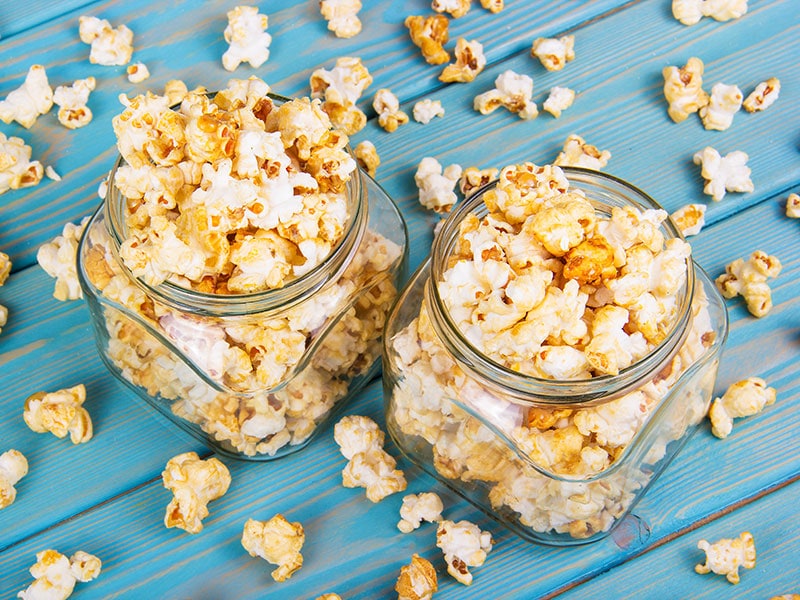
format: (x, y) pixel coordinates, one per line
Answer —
(106, 497)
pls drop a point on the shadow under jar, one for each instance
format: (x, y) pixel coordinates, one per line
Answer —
(558, 460)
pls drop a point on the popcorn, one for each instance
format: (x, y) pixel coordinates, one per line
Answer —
(278, 542)
(559, 99)
(367, 156)
(51, 173)
(417, 508)
(436, 185)
(342, 16)
(61, 413)
(341, 87)
(430, 34)
(247, 38)
(690, 12)
(494, 6)
(729, 173)
(725, 556)
(554, 53)
(690, 218)
(455, 8)
(3, 317)
(71, 100)
(386, 104)
(425, 110)
(57, 258)
(5, 267)
(763, 96)
(464, 545)
(683, 89)
(473, 178)
(749, 280)
(13, 467)
(417, 580)
(725, 101)
(513, 91)
(17, 170)
(109, 46)
(137, 72)
(793, 206)
(742, 399)
(33, 98)
(577, 153)
(470, 61)
(56, 575)
(194, 483)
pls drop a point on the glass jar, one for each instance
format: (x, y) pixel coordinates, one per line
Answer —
(252, 375)
(559, 461)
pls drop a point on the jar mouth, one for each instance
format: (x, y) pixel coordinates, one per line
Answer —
(603, 191)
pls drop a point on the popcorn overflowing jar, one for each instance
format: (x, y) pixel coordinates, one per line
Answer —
(241, 267)
(554, 352)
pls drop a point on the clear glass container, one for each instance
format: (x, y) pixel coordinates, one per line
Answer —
(509, 442)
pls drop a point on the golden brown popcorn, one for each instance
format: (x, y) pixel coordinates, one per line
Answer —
(5, 267)
(683, 89)
(436, 185)
(71, 100)
(690, 218)
(417, 508)
(137, 72)
(577, 153)
(725, 556)
(763, 96)
(749, 280)
(57, 258)
(56, 575)
(742, 399)
(464, 545)
(470, 61)
(511, 90)
(3, 317)
(723, 174)
(340, 88)
(61, 413)
(386, 104)
(558, 100)
(494, 6)
(194, 483)
(473, 178)
(455, 8)
(277, 541)
(342, 16)
(17, 170)
(329, 596)
(109, 46)
(247, 38)
(430, 34)
(425, 110)
(724, 103)
(690, 12)
(554, 53)
(13, 467)
(367, 157)
(417, 581)
(793, 206)
(33, 98)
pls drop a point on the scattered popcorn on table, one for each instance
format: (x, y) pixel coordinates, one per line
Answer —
(57, 258)
(742, 399)
(71, 100)
(494, 6)
(435, 185)
(56, 575)
(690, 12)
(3, 317)
(329, 596)
(137, 72)
(729, 173)
(554, 53)
(194, 483)
(342, 16)
(464, 545)
(749, 280)
(109, 46)
(559, 99)
(51, 173)
(430, 34)
(690, 218)
(793, 206)
(340, 88)
(5, 267)
(417, 508)
(417, 581)
(386, 104)
(473, 178)
(786, 597)
(367, 157)
(511, 90)
(724, 103)
(470, 61)
(763, 96)
(725, 556)
(455, 8)
(425, 110)
(13, 467)
(683, 89)
(278, 542)
(17, 170)
(61, 413)
(247, 38)
(24, 104)
(577, 153)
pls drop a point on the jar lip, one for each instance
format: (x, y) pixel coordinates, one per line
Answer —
(528, 389)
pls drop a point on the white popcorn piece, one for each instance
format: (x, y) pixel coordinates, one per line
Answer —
(3, 317)
(340, 88)
(247, 38)
(367, 156)
(277, 541)
(455, 8)
(683, 89)
(417, 580)
(357, 434)
(426, 110)
(430, 34)
(56, 575)
(724, 103)
(793, 206)
(689, 12)
(13, 467)
(436, 185)
(386, 104)
(554, 53)
(558, 100)
(342, 16)
(71, 100)
(577, 153)
(194, 483)
(470, 61)
(109, 46)
(60, 413)
(464, 545)
(726, 556)
(723, 174)
(417, 508)
(137, 72)
(763, 96)
(473, 178)
(57, 258)
(690, 218)
(33, 98)
(513, 91)
(17, 170)
(51, 173)
(749, 280)
(744, 398)
(494, 6)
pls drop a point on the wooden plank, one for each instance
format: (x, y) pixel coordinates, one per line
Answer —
(16, 17)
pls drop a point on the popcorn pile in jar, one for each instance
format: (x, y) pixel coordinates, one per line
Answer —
(553, 353)
(240, 269)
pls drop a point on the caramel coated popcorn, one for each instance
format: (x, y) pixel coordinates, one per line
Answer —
(470, 61)
(690, 218)
(577, 153)
(5, 267)
(559, 99)
(278, 542)
(464, 545)
(194, 483)
(57, 258)
(109, 46)
(749, 280)
(744, 398)
(690, 12)
(724, 102)
(24, 104)
(386, 104)
(512, 91)
(494, 6)
(247, 38)
(61, 413)
(683, 89)
(71, 100)
(726, 556)
(56, 575)
(728, 173)
(13, 467)
(417, 580)
(430, 34)
(367, 156)
(17, 170)
(426, 110)
(342, 16)
(417, 508)
(473, 178)
(554, 53)
(340, 88)
(436, 184)
(763, 96)
(455, 8)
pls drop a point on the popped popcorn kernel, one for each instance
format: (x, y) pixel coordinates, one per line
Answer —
(57, 258)
(436, 185)
(137, 72)
(277, 541)
(5, 267)
(386, 104)
(470, 61)
(56, 575)
(329, 596)
(512, 91)
(793, 206)
(430, 34)
(71, 100)
(17, 170)
(342, 16)
(464, 545)
(473, 178)
(494, 6)
(763, 96)
(749, 280)
(455, 8)
(554, 53)
(690, 218)
(425, 110)
(417, 508)
(13, 467)
(744, 398)
(725, 556)
(51, 173)
(194, 483)
(724, 103)
(723, 174)
(340, 88)
(61, 413)
(247, 38)
(683, 89)
(689, 12)
(3, 317)
(577, 153)
(109, 46)
(33, 98)
(356, 434)
(417, 580)
(367, 156)
(559, 99)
